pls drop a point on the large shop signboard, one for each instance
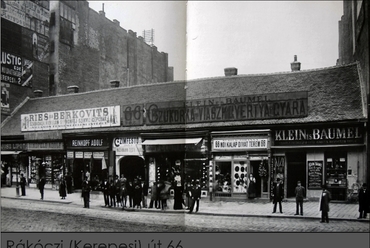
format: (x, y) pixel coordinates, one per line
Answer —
(239, 144)
(234, 108)
(125, 146)
(72, 119)
(319, 136)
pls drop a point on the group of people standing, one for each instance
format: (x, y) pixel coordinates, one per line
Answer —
(118, 191)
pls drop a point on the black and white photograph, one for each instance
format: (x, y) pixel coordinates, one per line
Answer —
(189, 118)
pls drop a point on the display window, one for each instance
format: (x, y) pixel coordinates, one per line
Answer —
(223, 177)
(336, 174)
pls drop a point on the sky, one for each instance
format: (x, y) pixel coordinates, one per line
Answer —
(204, 37)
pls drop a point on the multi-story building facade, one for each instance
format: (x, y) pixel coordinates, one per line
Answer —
(48, 46)
(354, 42)
(300, 125)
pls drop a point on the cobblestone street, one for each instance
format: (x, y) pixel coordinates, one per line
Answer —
(22, 215)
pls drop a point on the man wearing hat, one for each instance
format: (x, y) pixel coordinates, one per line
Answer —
(363, 201)
(325, 198)
(195, 194)
(278, 195)
(300, 193)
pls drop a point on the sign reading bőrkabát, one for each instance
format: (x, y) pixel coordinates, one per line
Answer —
(234, 108)
(319, 136)
(72, 119)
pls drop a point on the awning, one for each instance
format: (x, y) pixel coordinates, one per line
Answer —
(184, 141)
(10, 152)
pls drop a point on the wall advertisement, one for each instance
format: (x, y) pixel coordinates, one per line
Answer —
(72, 119)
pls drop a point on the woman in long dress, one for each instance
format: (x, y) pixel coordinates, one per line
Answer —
(62, 188)
(251, 187)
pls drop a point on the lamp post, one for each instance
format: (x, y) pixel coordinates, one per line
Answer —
(15, 159)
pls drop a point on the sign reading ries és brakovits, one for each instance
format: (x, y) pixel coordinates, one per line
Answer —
(236, 108)
(72, 119)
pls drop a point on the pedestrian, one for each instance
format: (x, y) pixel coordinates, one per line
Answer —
(42, 186)
(164, 194)
(117, 185)
(112, 193)
(251, 191)
(154, 197)
(105, 189)
(300, 194)
(130, 193)
(69, 183)
(23, 185)
(144, 186)
(178, 191)
(325, 198)
(62, 188)
(363, 201)
(195, 195)
(138, 191)
(86, 193)
(278, 195)
(187, 195)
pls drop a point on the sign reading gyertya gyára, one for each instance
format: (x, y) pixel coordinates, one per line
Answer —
(72, 119)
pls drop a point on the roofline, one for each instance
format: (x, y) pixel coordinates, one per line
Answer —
(15, 111)
(276, 73)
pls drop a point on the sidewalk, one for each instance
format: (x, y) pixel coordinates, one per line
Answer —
(255, 208)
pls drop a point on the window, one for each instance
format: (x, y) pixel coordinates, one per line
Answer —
(67, 18)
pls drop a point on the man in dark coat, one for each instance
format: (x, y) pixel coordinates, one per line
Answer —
(325, 198)
(86, 193)
(363, 201)
(105, 189)
(300, 193)
(278, 195)
(42, 186)
(69, 183)
(23, 185)
(195, 194)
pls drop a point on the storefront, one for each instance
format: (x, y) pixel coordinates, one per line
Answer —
(87, 157)
(129, 158)
(240, 157)
(331, 154)
(183, 157)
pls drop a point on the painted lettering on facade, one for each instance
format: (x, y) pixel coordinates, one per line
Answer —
(124, 146)
(238, 144)
(72, 119)
(74, 143)
(279, 105)
(320, 135)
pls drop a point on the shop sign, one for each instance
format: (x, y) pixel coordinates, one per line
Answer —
(87, 143)
(235, 108)
(87, 155)
(239, 144)
(98, 154)
(128, 146)
(22, 12)
(315, 169)
(46, 146)
(319, 135)
(79, 155)
(72, 119)
(70, 154)
(13, 146)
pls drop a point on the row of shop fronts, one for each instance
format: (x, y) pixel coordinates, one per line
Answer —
(223, 161)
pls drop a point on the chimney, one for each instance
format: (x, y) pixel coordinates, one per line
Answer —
(37, 93)
(114, 84)
(73, 89)
(115, 21)
(231, 71)
(102, 13)
(295, 65)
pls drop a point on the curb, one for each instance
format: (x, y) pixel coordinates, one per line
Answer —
(38, 200)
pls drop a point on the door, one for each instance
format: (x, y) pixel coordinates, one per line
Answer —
(296, 171)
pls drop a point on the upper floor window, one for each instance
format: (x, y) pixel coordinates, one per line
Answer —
(67, 22)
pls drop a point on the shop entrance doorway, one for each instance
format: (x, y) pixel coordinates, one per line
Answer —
(296, 171)
(132, 167)
(78, 171)
(254, 170)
